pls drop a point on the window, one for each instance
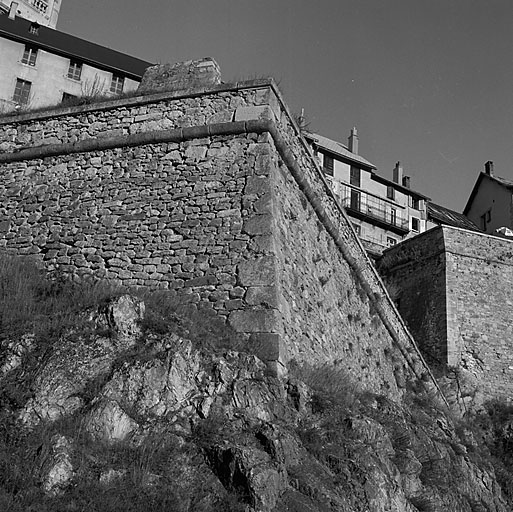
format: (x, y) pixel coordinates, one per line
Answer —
(67, 98)
(116, 86)
(354, 177)
(415, 224)
(358, 229)
(486, 219)
(391, 241)
(328, 164)
(393, 216)
(390, 193)
(414, 203)
(29, 55)
(355, 200)
(75, 69)
(22, 91)
(34, 29)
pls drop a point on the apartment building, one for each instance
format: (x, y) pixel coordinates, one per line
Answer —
(41, 66)
(43, 12)
(383, 211)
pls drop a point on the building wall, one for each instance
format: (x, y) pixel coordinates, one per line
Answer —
(214, 194)
(495, 198)
(49, 77)
(44, 12)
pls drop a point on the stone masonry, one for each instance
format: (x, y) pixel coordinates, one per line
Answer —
(212, 193)
(454, 291)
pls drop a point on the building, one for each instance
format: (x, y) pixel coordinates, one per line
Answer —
(382, 211)
(490, 204)
(43, 12)
(40, 66)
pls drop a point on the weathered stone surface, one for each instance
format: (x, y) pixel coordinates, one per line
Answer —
(257, 272)
(109, 423)
(182, 75)
(57, 471)
(258, 225)
(265, 320)
(73, 365)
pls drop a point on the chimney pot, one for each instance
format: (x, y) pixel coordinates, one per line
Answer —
(12, 10)
(406, 181)
(489, 168)
(397, 175)
(353, 141)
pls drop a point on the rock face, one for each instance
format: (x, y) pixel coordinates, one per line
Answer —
(77, 361)
(167, 425)
(191, 74)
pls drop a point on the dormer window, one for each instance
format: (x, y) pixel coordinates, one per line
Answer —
(75, 69)
(29, 55)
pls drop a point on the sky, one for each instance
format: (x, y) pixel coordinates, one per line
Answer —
(428, 83)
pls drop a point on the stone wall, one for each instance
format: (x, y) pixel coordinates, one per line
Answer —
(415, 274)
(214, 193)
(457, 298)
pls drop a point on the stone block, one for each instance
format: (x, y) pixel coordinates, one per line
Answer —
(262, 296)
(263, 321)
(268, 346)
(258, 225)
(254, 112)
(257, 272)
(257, 185)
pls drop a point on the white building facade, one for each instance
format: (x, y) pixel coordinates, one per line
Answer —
(40, 66)
(383, 211)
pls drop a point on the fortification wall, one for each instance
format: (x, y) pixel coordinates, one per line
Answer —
(456, 295)
(217, 195)
(480, 307)
(415, 274)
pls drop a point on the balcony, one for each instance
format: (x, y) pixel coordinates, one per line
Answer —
(373, 210)
(40, 5)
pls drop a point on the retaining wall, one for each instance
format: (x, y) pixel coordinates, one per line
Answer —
(456, 295)
(214, 193)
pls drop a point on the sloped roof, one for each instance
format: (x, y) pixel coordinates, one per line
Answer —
(442, 215)
(483, 175)
(72, 47)
(338, 149)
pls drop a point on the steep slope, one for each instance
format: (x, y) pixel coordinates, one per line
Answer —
(139, 408)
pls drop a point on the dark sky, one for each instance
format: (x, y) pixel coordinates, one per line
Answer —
(426, 82)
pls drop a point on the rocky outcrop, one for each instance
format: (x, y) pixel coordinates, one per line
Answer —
(79, 358)
(170, 423)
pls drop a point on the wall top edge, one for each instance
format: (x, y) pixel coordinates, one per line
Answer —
(142, 99)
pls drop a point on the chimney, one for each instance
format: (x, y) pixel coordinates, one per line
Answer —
(489, 168)
(12, 10)
(353, 141)
(406, 181)
(397, 176)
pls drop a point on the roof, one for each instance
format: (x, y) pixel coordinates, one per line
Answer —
(442, 215)
(72, 47)
(483, 175)
(397, 186)
(338, 149)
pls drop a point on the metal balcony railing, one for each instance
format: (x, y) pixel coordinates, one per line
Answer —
(40, 5)
(373, 209)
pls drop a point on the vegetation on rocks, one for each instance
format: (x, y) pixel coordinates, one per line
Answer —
(112, 401)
